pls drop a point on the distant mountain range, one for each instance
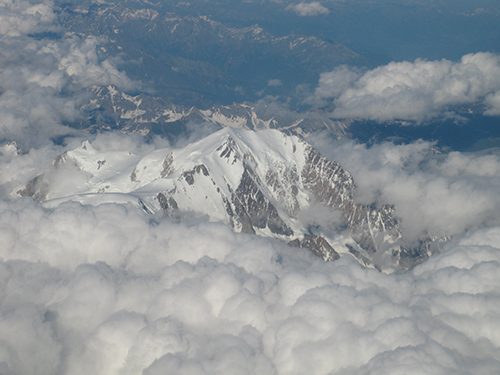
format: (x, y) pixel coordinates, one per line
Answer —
(194, 60)
(112, 109)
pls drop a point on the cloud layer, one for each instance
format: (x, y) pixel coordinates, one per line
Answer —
(21, 17)
(103, 290)
(434, 193)
(413, 91)
(314, 8)
(44, 80)
(111, 290)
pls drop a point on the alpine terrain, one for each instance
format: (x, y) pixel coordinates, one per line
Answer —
(262, 182)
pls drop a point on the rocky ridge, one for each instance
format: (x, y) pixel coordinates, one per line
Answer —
(256, 182)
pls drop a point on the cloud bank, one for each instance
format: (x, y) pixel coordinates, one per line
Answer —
(108, 289)
(45, 80)
(104, 290)
(434, 193)
(314, 8)
(413, 91)
(111, 290)
(22, 17)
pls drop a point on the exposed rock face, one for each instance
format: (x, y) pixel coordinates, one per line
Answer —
(318, 245)
(167, 204)
(256, 182)
(189, 175)
(167, 166)
(250, 202)
(327, 180)
(333, 186)
(37, 189)
(284, 181)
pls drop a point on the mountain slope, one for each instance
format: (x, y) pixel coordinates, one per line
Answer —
(255, 181)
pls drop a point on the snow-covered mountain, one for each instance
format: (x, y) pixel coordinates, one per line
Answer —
(263, 182)
(111, 108)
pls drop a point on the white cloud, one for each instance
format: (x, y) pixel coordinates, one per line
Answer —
(274, 83)
(436, 194)
(19, 17)
(111, 290)
(81, 64)
(493, 104)
(43, 82)
(314, 8)
(415, 91)
(102, 290)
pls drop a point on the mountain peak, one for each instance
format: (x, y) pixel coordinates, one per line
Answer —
(255, 181)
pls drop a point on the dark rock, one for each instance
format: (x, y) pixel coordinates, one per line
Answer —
(318, 245)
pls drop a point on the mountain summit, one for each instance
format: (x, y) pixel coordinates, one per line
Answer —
(261, 182)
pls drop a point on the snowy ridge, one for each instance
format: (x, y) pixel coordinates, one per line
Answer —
(143, 109)
(144, 114)
(255, 181)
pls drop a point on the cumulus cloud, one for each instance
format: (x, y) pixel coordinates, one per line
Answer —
(314, 8)
(109, 289)
(493, 104)
(413, 91)
(434, 193)
(44, 81)
(19, 17)
(104, 290)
